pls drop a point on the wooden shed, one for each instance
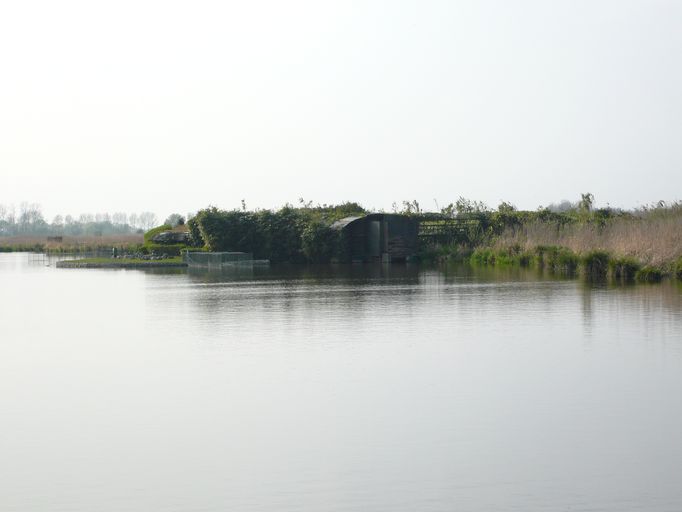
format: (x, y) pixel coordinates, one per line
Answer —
(378, 237)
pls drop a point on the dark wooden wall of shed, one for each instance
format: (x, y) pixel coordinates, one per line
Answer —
(402, 236)
(366, 239)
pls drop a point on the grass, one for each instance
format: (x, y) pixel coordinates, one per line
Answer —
(558, 260)
(155, 231)
(120, 263)
(649, 275)
(510, 256)
(624, 268)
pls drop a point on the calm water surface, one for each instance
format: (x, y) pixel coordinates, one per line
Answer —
(359, 388)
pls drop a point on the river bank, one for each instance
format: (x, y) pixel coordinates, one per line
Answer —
(644, 245)
(121, 263)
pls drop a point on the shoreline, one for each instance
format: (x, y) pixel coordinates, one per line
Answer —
(122, 264)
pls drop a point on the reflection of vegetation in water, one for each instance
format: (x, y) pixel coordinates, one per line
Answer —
(337, 273)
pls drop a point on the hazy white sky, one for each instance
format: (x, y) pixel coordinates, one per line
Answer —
(171, 106)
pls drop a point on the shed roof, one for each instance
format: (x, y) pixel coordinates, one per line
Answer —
(342, 223)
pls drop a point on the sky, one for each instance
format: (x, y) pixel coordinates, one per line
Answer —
(173, 106)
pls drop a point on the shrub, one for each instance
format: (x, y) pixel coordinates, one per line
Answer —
(596, 264)
(233, 230)
(678, 269)
(649, 274)
(282, 231)
(483, 257)
(557, 259)
(320, 242)
(170, 249)
(512, 255)
(195, 232)
(624, 268)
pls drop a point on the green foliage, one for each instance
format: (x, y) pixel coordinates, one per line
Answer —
(408, 208)
(586, 202)
(596, 264)
(280, 236)
(649, 274)
(557, 259)
(678, 268)
(195, 233)
(124, 261)
(505, 207)
(233, 230)
(483, 256)
(320, 243)
(509, 256)
(282, 232)
(624, 268)
(155, 231)
(169, 249)
(328, 212)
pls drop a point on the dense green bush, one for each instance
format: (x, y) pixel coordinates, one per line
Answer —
(624, 268)
(286, 235)
(483, 256)
(195, 233)
(596, 264)
(557, 259)
(678, 269)
(509, 256)
(233, 230)
(159, 249)
(282, 231)
(649, 274)
(320, 243)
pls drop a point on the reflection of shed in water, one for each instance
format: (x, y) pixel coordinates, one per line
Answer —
(378, 237)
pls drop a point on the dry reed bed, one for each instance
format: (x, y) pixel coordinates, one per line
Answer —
(71, 241)
(652, 239)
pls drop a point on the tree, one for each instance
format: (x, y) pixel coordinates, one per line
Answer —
(586, 202)
(120, 218)
(175, 219)
(31, 218)
(506, 207)
(464, 206)
(147, 220)
(319, 242)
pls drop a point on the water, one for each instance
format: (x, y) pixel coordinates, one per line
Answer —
(361, 388)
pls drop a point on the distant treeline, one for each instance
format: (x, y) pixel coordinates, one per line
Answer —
(28, 220)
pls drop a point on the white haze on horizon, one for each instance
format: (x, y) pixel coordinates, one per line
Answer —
(170, 107)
